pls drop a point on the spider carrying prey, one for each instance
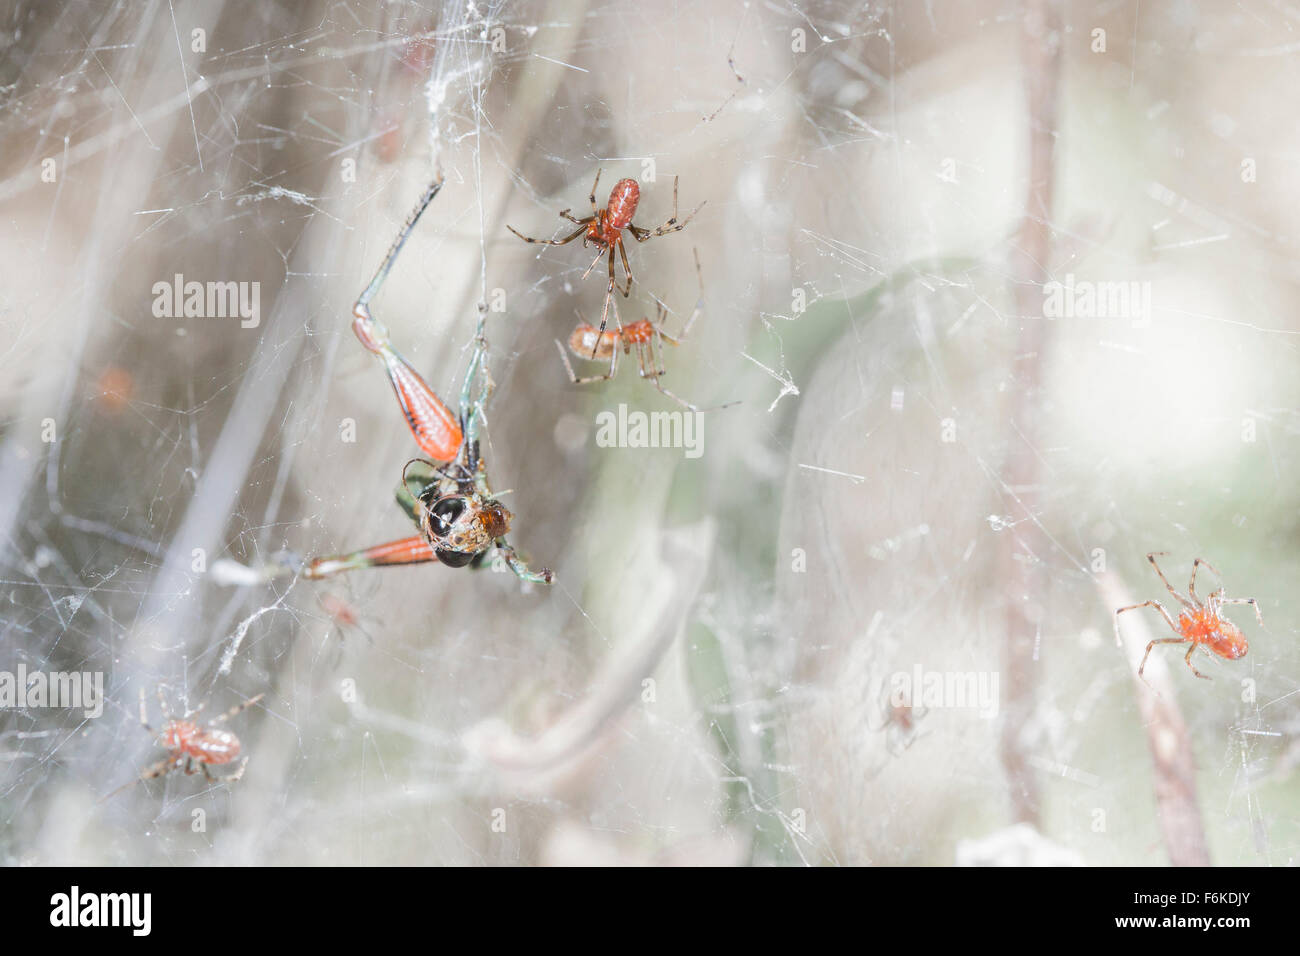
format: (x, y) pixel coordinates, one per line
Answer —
(448, 497)
(1199, 623)
(604, 229)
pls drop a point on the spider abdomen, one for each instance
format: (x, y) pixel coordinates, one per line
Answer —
(623, 199)
(206, 746)
(214, 747)
(1229, 647)
(586, 342)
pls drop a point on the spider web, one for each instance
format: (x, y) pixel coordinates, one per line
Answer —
(708, 679)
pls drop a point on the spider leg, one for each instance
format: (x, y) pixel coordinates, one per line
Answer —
(658, 328)
(699, 309)
(684, 403)
(161, 768)
(1163, 640)
(681, 401)
(228, 778)
(1181, 600)
(1188, 661)
(672, 225)
(1155, 604)
(661, 336)
(1251, 601)
(627, 269)
(594, 261)
(609, 297)
(237, 709)
(568, 367)
(654, 350)
(595, 212)
(657, 369)
(1191, 588)
(144, 715)
(553, 242)
(564, 214)
(413, 550)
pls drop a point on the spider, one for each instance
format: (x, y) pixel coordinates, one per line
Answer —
(604, 229)
(645, 336)
(1199, 623)
(448, 497)
(900, 720)
(190, 746)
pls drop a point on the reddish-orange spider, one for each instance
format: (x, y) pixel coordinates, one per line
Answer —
(587, 342)
(604, 229)
(1199, 623)
(191, 746)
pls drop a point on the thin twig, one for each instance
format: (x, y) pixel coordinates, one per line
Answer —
(1021, 561)
(1171, 748)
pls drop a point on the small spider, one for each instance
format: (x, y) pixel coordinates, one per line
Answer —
(604, 229)
(645, 336)
(900, 720)
(340, 611)
(190, 746)
(448, 498)
(1199, 623)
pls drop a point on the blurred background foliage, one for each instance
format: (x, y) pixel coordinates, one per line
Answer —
(708, 680)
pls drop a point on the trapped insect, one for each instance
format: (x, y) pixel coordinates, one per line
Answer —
(604, 229)
(190, 746)
(646, 337)
(447, 497)
(1200, 623)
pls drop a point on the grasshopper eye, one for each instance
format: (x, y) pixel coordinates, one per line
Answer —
(444, 514)
(454, 559)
